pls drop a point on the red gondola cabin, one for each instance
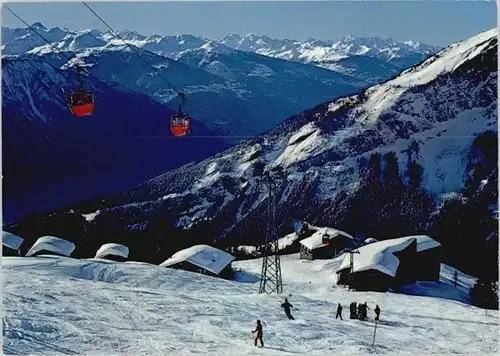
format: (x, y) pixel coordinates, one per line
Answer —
(179, 125)
(81, 103)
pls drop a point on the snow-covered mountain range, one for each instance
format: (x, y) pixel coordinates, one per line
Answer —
(386, 56)
(323, 51)
(242, 85)
(441, 105)
(371, 59)
(236, 92)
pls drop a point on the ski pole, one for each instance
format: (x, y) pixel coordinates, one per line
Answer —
(374, 332)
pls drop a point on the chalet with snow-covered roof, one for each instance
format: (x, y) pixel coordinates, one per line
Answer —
(11, 244)
(51, 245)
(202, 259)
(113, 252)
(325, 243)
(381, 265)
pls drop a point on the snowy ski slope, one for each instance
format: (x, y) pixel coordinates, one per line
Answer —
(58, 305)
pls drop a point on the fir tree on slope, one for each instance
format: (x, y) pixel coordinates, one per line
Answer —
(414, 171)
(419, 203)
(467, 224)
(392, 195)
(384, 206)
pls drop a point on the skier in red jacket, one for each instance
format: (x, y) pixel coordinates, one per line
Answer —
(258, 336)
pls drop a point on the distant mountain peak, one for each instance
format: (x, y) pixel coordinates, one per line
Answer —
(231, 35)
(214, 46)
(38, 25)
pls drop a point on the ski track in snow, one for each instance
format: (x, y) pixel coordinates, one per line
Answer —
(57, 305)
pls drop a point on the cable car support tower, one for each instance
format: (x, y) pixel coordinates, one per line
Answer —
(271, 281)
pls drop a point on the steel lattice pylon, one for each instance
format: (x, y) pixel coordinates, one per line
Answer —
(271, 281)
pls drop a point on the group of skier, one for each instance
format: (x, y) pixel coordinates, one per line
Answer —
(357, 311)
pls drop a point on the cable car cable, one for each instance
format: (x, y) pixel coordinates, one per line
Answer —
(180, 122)
(80, 102)
(29, 26)
(199, 137)
(56, 50)
(68, 57)
(79, 69)
(133, 49)
(181, 95)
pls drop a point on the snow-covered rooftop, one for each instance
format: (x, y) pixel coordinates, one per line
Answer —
(112, 249)
(53, 244)
(204, 256)
(316, 240)
(283, 243)
(11, 241)
(380, 255)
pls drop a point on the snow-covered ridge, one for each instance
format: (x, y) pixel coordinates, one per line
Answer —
(447, 60)
(381, 97)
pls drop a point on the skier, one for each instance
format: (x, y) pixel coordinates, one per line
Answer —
(377, 313)
(361, 311)
(258, 336)
(339, 312)
(365, 311)
(352, 309)
(287, 307)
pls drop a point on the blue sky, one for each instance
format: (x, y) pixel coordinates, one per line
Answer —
(432, 22)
